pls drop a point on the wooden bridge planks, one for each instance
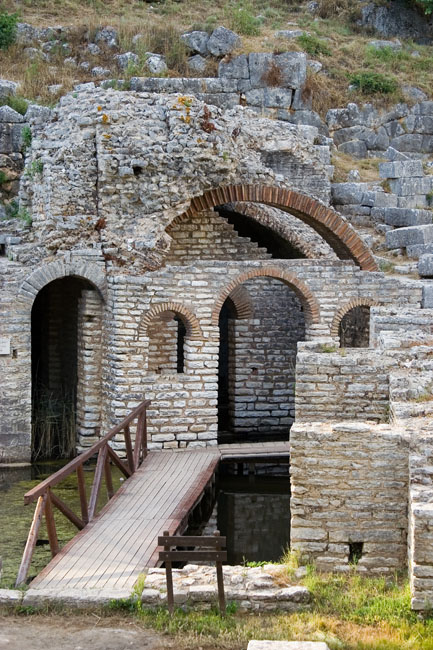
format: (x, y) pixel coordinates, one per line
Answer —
(113, 549)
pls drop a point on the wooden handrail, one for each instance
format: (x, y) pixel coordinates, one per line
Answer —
(47, 500)
(72, 466)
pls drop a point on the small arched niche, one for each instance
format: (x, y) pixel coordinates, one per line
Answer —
(354, 328)
(167, 332)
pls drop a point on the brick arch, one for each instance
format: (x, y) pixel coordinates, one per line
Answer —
(242, 302)
(37, 280)
(308, 301)
(193, 329)
(355, 302)
(334, 229)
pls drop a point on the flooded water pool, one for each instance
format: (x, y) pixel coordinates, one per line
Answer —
(15, 518)
(252, 509)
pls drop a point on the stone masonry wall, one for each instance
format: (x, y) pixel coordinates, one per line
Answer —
(349, 486)
(332, 383)
(420, 540)
(89, 362)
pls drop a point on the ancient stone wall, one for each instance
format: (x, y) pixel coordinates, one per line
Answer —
(349, 495)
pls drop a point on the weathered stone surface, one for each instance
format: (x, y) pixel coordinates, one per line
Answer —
(355, 148)
(380, 45)
(401, 169)
(271, 97)
(197, 63)
(234, 68)
(155, 63)
(11, 597)
(285, 70)
(397, 19)
(409, 236)
(401, 217)
(108, 36)
(425, 266)
(197, 41)
(222, 41)
(7, 88)
(125, 60)
(7, 114)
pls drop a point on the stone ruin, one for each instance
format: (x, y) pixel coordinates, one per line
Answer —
(189, 254)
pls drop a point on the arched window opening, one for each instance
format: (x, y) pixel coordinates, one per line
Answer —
(354, 328)
(64, 336)
(226, 362)
(167, 333)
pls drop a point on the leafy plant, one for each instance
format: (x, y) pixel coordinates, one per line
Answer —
(369, 82)
(429, 198)
(313, 45)
(327, 349)
(35, 168)
(8, 29)
(26, 138)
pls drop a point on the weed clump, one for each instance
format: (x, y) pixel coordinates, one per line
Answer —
(313, 45)
(373, 82)
(242, 19)
(19, 104)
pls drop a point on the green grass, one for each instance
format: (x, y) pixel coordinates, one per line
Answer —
(313, 45)
(373, 83)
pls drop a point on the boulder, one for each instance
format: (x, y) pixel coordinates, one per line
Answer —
(7, 88)
(397, 19)
(289, 34)
(94, 49)
(196, 41)
(197, 63)
(414, 93)
(107, 36)
(99, 71)
(223, 41)
(382, 45)
(125, 60)
(155, 63)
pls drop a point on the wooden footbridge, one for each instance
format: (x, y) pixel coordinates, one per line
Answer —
(163, 487)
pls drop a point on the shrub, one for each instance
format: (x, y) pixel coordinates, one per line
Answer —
(19, 104)
(8, 29)
(313, 45)
(3, 177)
(373, 82)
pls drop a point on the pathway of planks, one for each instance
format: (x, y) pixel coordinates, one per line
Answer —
(112, 551)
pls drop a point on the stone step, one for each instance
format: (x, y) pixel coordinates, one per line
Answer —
(409, 236)
(402, 217)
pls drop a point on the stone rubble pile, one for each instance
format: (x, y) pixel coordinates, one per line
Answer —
(253, 589)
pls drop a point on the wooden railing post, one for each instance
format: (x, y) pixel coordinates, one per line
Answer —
(220, 580)
(169, 578)
(51, 525)
(144, 434)
(82, 492)
(128, 445)
(100, 464)
(31, 540)
(108, 477)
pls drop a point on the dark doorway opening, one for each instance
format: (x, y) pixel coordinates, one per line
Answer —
(54, 368)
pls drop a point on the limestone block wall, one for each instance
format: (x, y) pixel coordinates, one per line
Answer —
(89, 368)
(209, 236)
(420, 539)
(333, 384)
(349, 486)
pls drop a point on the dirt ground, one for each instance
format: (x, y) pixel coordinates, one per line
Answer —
(90, 633)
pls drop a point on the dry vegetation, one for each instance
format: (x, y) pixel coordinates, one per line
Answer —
(332, 38)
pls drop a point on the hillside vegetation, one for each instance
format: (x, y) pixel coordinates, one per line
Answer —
(331, 36)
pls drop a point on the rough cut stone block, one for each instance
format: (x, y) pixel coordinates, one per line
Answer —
(401, 217)
(235, 68)
(425, 266)
(270, 97)
(410, 186)
(7, 114)
(10, 596)
(427, 296)
(409, 236)
(355, 148)
(348, 193)
(7, 88)
(289, 69)
(401, 169)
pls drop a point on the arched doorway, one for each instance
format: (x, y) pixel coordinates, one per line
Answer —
(66, 342)
(257, 359)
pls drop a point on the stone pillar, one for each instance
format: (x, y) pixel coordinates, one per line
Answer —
(89, 358)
